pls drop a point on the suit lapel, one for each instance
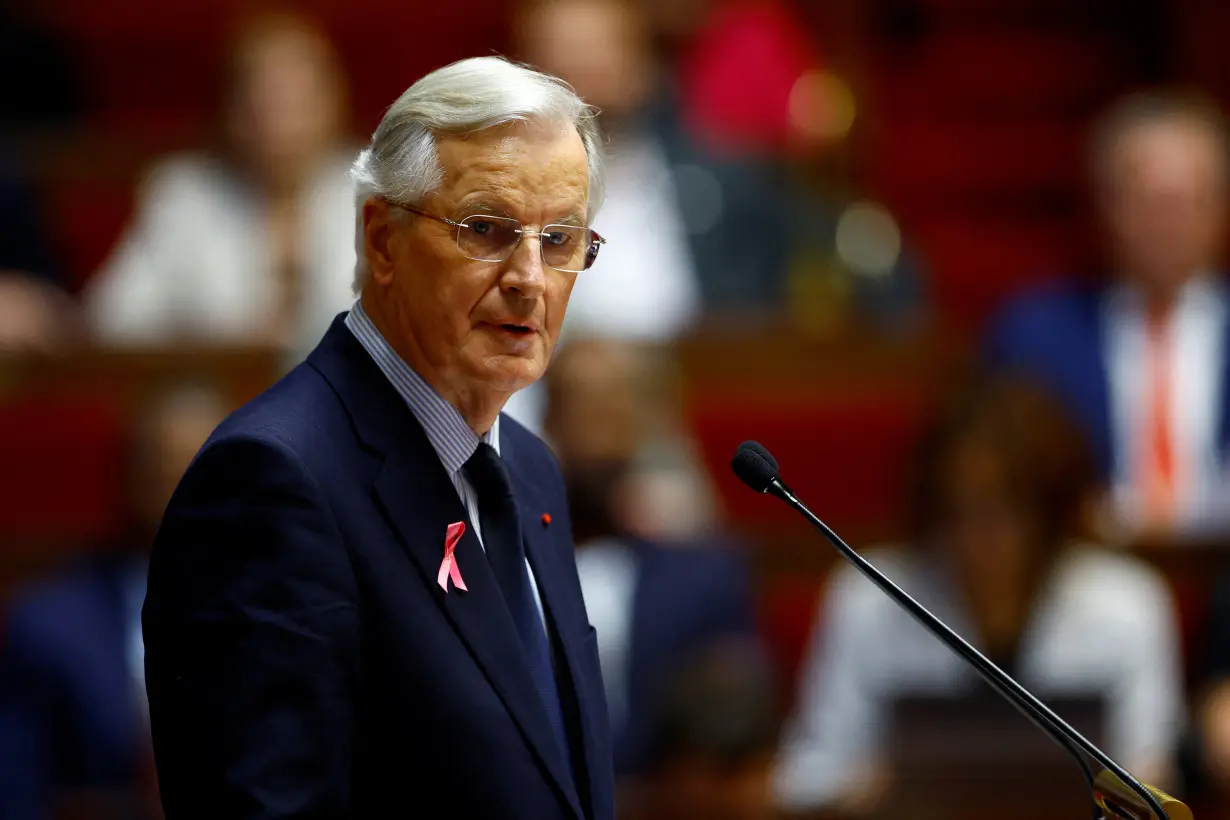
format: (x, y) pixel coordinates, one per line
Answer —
(1102, 426)
(478, 615)
(418, 500)
(560, 605)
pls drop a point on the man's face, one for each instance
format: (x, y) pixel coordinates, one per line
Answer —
(1164, 202)
(469, 326)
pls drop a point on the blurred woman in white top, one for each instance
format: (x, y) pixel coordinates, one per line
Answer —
(252, 243)
(1004, 483)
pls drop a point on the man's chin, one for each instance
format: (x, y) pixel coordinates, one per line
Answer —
(511, 373)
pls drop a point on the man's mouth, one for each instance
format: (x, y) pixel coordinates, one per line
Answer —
(515, 329)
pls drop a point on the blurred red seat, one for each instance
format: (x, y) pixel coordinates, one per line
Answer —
(975, 263)
(62, 476)
(85, 218)
(788, 608)
(846, 455)
(1033, 7)
(999, 70)
(994, 156)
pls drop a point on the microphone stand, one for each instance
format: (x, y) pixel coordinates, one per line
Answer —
(1116, 794)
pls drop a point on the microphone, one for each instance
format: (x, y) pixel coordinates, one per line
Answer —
(1115, 793)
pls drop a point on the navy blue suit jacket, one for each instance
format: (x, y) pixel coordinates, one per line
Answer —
(1057, 334)
(302, 661)
(70, 714)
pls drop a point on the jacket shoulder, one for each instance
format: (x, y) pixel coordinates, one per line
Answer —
(1051, 301)
(300, 413)
(1056, 313)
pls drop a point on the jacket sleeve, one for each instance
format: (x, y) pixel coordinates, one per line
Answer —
(251, 637)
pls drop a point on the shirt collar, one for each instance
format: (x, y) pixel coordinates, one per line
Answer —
(1202, 290)
(450, 436)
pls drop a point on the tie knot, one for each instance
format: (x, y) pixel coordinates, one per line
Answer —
(488, 473)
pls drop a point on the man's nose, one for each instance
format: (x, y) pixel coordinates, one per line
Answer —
(524, 272)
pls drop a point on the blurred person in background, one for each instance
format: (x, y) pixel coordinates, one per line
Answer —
(73, 725)
(717, 221)
(1004, 486)
(658, 582)
(34, 310)
(713, 736)
(1143, 360)
(41, 94)
(252, 244)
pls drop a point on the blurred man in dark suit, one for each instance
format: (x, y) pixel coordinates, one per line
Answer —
(363, 600)
(654, 600)
(73, 722)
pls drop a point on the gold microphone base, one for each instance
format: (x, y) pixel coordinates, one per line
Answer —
(1121, 803)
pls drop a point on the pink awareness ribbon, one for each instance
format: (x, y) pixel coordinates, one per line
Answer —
(448, 567)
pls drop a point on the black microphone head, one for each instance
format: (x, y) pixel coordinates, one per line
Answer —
(754, 465)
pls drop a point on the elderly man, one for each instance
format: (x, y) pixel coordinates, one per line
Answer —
(363, 600)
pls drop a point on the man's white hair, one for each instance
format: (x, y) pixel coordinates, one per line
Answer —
(401, 162)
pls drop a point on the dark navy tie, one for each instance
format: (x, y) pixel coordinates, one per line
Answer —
(501, 535)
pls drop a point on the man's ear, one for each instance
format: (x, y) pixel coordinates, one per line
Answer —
(378, 225)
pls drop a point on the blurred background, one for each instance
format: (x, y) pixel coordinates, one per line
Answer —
(959, 264)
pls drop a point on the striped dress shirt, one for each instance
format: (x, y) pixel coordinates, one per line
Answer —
(450, 436)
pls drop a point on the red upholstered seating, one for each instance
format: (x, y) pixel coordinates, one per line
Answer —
(86, 217)
(845, 455)
(949, 157)
(62, 469)
(787, 616)
(978, 260)
(992, 71)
